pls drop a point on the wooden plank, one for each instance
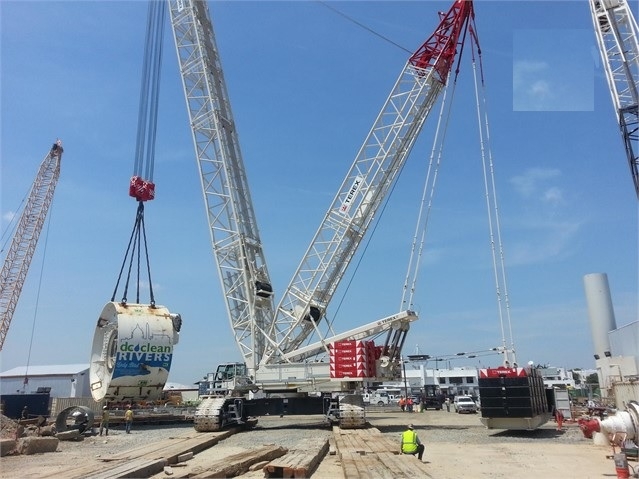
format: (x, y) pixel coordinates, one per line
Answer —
(367, 453)
(298, 463)
(240, 463)
(409, 465)
(137, 462)
(349, 466)
(135, 468)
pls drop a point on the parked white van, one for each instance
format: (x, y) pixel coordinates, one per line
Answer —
(379, 399)
(393, 394)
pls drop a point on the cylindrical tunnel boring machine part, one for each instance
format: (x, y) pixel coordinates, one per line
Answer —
(132, 351)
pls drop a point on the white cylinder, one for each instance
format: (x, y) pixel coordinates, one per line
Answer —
(132, 351)
(600, 311)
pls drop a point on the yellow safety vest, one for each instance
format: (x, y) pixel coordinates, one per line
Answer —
(409, 442)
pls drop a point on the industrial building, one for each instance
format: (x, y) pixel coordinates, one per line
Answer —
(60, 381)
(616, 349)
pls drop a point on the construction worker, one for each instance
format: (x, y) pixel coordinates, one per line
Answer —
(411, 443)
(128, 419)
(402, 403)
(104, 423)
(559, 417)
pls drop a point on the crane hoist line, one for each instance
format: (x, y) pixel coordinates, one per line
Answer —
(25, 239)
(133, 343)
(284, 346)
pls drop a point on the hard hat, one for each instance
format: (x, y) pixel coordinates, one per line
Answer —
(103, 407)
(410, 426)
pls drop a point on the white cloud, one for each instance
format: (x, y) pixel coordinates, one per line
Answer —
(532, 90)
(544, 240)
(533, 180)
(553, 195)
(8, 216)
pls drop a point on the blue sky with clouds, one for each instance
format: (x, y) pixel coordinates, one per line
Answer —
(306, 84)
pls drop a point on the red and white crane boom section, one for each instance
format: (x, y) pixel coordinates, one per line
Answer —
(367, 184)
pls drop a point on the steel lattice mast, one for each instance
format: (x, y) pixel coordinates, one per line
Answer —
(25, 239)
(618, 40)
(233, 228)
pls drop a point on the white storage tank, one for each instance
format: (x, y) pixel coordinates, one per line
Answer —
(600, 312)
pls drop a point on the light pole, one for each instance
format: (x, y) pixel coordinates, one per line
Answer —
(405, 382)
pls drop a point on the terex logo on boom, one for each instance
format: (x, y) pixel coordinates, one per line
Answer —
(346, 205)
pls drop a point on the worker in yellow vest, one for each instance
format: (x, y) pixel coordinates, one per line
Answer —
(411, 443)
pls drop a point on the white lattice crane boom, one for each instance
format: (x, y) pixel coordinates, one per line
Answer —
(25, 238)
(618, 39)
(268, 336)
(233, 228)
(368, 182)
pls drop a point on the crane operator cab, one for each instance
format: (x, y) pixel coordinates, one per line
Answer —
(227, 378)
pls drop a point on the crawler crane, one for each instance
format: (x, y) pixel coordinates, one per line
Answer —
(24, 242)
(282, 345)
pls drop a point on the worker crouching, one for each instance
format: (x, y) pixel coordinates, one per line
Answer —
(411, 443)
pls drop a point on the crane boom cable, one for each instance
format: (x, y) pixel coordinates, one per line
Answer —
(421, 225)
(368, 29)
(37, 298)
(490, 193)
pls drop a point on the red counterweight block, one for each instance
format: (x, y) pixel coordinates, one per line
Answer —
(140, 189)
(351, 358)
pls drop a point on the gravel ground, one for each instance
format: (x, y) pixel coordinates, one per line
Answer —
(455, 444)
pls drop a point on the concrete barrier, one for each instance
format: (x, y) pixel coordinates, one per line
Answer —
(37, 445)
(6, 446)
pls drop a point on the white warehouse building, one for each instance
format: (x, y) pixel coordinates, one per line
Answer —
(60, 381)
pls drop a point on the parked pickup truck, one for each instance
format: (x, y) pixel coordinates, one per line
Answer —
(465, 404)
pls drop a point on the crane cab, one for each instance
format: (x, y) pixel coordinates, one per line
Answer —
(228, 377)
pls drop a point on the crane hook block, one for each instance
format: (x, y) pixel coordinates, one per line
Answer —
(141, 189)
(132, 351)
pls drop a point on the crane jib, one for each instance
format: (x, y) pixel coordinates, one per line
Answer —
(439, 50)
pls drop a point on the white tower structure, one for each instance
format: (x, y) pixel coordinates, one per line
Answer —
(600, 312)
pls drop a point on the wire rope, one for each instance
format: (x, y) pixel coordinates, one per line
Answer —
(37, 301)
(145, 148)
(365, 27)
(490, 192)
(421, 225)
(133, 251)
(149, 92)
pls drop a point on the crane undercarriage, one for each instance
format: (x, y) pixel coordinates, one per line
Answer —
(217, 412)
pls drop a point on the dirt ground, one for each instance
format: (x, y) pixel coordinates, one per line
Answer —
(457, 446)
(490, 454)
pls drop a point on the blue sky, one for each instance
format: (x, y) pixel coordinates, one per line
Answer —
(306, 85)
